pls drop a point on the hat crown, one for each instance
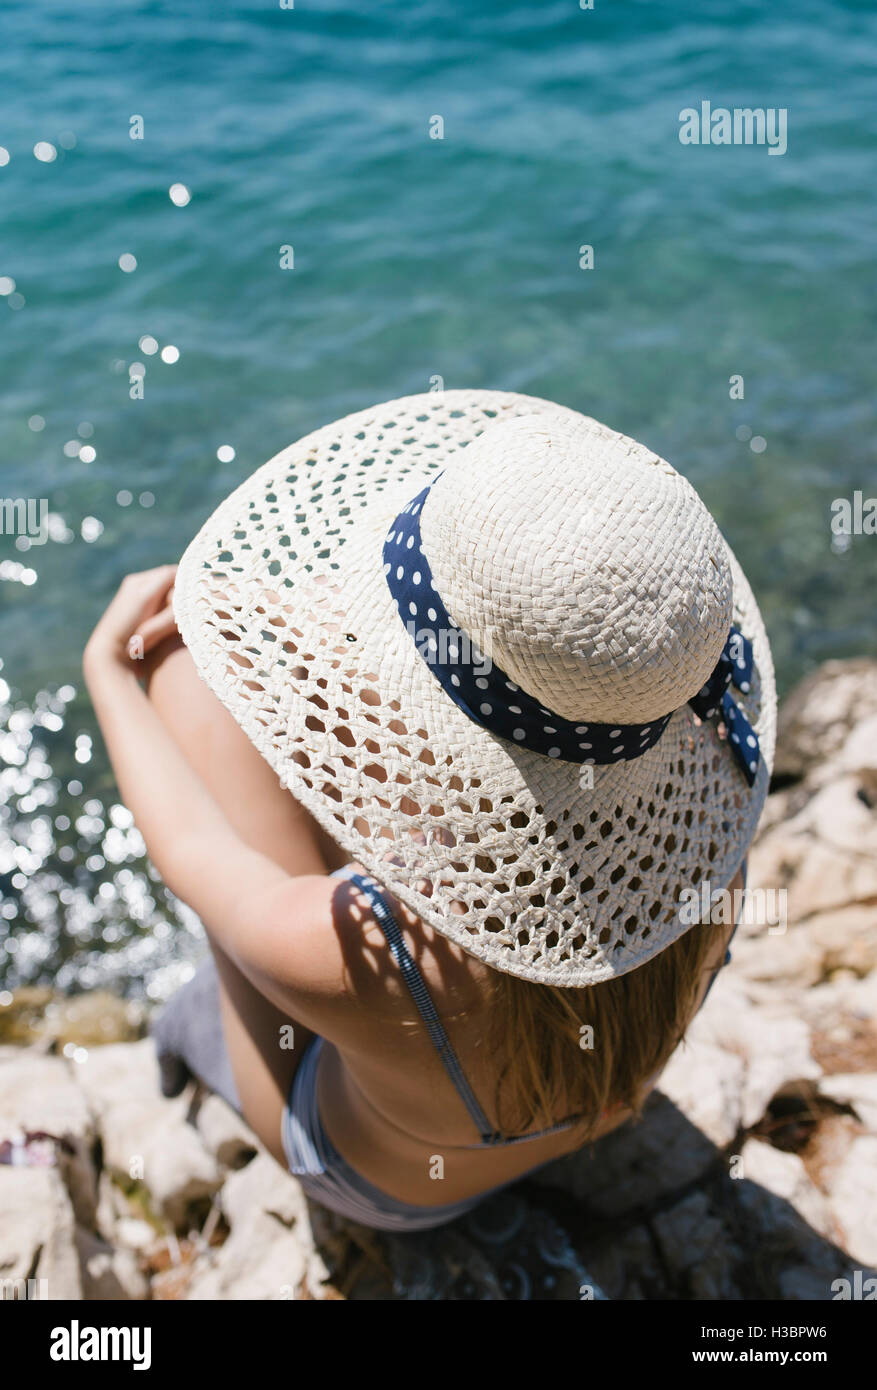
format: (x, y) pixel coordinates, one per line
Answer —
(583, 565)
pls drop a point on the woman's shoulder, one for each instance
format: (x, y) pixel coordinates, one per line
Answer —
(324, 942)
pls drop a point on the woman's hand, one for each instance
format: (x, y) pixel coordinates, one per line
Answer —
(137, 619)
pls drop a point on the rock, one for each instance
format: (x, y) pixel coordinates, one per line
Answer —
(855, 1089)
(825, 856)
(108, 1274)
(706, 1082)
(859, 755)
(790, 959)
(626, 1264)
(146, 1137)
(804, 1284)
(37, 1233)
(818, 715)
(845, 940)
(828, 1147)
(134, 1234)
(696, 1248)
(225, 1133)
(40, 1093)
(764, 1171)
(854, 1199)
(737, 1057)
(842, 1017)
(842, 939)
(638, 1164)
(263, 1183)
(841, 1005)
(112, 1208)
(270, 1252)
(777, 1053)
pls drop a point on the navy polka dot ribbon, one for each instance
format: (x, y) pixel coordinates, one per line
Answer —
(489, 698)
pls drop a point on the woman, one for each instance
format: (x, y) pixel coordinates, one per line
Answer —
(470, 690)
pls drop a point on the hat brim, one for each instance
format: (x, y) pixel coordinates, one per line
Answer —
(282, 602)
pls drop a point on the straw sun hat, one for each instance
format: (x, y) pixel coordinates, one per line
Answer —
(506, 659)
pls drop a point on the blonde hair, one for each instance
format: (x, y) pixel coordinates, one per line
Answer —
(553, 1068)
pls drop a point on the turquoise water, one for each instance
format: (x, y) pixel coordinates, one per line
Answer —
(413, 258)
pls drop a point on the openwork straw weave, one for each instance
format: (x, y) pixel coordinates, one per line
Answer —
(592, 574)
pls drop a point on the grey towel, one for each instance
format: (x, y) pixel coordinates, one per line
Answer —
(189, 1039)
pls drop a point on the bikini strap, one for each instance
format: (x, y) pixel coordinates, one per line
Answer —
(425, 1007)
(423, 1002)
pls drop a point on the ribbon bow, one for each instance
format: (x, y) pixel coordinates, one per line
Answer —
(734, 667)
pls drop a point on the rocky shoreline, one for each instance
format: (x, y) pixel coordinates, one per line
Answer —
(752, 1175)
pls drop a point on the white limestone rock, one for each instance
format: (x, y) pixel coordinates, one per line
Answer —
(224, 1133)
(40, 1093)
(37, 1234)
(145, 1136)
(783, 1176)
(108, 1273)
(270, 1253)
(853, 1199)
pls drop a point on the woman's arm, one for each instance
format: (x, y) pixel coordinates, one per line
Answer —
(189, 840)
